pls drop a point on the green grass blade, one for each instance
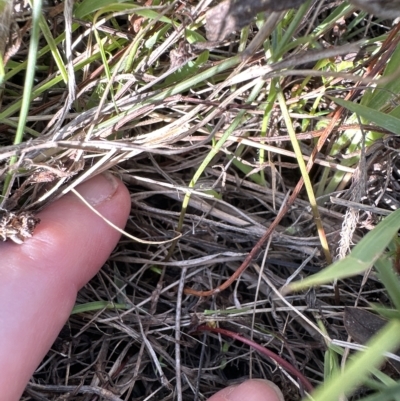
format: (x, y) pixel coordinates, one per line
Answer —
(389, 279)
(385, 312)
(331, 363)
(28, 85)
(384, 120)
(363, 256)
(305, 176)
(377, 98)
(53, 47)
(98, 305)
(90, 7)
(387, 394)
(358, 369)
(30, 70)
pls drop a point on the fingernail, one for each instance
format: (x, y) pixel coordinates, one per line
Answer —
(99, 189)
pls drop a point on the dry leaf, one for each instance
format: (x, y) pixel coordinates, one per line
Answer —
(361, 325)
(5, 23)
(17, 226)
(381, 8)
(233, 15)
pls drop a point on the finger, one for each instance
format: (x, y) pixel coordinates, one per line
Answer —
(40, 278)
(250, 390)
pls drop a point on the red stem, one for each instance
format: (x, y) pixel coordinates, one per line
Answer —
(264, 351)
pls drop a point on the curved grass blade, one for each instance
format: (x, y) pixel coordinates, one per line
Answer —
(384, 120)
(363, 256)
(359, 368)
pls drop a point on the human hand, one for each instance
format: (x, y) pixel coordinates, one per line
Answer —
(39, 281)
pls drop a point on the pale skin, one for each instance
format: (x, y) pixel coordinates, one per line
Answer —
(39, 281)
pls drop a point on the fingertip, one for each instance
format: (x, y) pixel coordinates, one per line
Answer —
(250, 390)
(72, 233)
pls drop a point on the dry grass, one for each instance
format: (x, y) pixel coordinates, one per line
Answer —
(197, 132)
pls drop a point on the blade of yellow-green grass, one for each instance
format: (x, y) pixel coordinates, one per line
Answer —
(98, 305)
(384, 380)
(386, 394)
(223, 139)
(389, 279)
(151, 14)
(139, 10)
(380, 96)
(192, 67)
(385, 312)
(304, 174)
(28, 84)
(359, 368)
(276, 54)
(331, 20)
(264, 128)
(14, 124)
(384, 120)
(362, 257)
(331, 363)
(247, 170)
(30, 70)
(290, 30)
(53, 47)
(89, 6)
(332, 354)
(158, 33)
(104, 60)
